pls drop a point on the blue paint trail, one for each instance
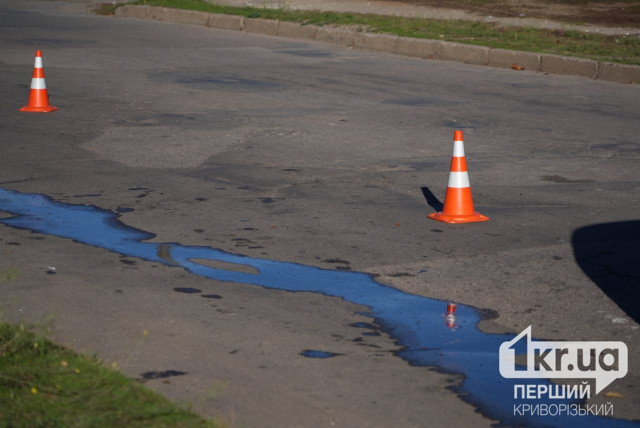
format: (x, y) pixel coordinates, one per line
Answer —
(415, 322)
(311, 353)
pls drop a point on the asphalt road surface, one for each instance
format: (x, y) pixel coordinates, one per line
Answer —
(314, 154)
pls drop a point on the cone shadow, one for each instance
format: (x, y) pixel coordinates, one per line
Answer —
(432, 200)
(608, 254)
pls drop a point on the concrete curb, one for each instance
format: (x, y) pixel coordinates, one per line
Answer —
(336, 36)
(133, 11)
(507, 59)
(260, 26)
(376, 42)
(421, 48)
(296, 31)
(226, 22)
(566, 65)
(469, 54)
(618, 72)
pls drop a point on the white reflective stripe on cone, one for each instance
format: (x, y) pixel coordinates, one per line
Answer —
(38, 83)
(38, 63)
(458, 149)
(459, 179)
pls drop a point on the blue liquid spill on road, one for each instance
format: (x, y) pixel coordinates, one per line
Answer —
(311, 353)
(415, 322)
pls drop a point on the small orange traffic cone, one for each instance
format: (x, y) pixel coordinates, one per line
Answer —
(38, 97)
(458, 204)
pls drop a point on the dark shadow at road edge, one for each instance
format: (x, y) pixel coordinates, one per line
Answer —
(432, 200)
(609, 253)
(159, 375)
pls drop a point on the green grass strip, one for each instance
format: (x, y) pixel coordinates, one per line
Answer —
(45, 385)
(621, 49)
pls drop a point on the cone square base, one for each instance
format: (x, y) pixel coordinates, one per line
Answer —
(47, 109)
(446, 218)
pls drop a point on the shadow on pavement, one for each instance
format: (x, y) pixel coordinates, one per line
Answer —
(610, 254)
(432, 200)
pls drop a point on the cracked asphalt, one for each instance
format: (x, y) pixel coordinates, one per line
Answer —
(324, 156)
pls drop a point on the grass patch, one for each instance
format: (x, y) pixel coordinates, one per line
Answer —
(622, 49)
(45, 385)
(9, 274)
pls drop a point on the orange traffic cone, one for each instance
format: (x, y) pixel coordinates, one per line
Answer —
(458, 204)
(38, 97)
